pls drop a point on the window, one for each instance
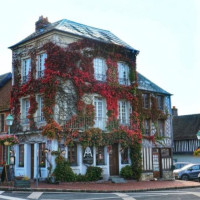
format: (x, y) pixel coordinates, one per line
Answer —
(161, 128)
(25, 108)
(160, 102)
(41, 116)
(100, 155)
(146, 100)
(2, 122)
(147, 127)
(21, 155)
(41, 66)
(123, 74)
(42, 162)
(72, 155)
(26, 67)
(99, 69)
(124, 156)
(99, 106)
(166, 153)
(123, 112)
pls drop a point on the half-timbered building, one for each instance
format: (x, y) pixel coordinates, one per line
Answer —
(185, 128)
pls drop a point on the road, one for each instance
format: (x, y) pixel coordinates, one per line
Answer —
(181, 194)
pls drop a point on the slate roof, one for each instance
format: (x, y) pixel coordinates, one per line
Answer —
(147, 85)
(186, 126)
(80, 30)
(4, 78)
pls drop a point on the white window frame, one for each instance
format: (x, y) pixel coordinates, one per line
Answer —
(124, 111)
(41, 64)
(123, 73)
(100, 114)
(26, 68)
(99, 69)
(25, 109)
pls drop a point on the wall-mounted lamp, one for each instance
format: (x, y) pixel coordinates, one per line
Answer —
(12, 160)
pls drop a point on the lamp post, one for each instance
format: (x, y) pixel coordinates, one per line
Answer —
(9, 122)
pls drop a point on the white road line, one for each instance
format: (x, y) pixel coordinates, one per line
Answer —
(124, 196)
(1, 192)
(10, 198)
(194, 193)
(35, 195)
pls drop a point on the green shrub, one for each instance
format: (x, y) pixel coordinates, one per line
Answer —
(81, 178)
(93, 173)
(63, 171)
(126, 172)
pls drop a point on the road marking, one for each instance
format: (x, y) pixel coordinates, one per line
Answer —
(124, 196)
(10, 198)
(1, 192)
(194, 193)
(35, 195)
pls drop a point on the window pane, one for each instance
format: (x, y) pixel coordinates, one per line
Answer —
(2, 123)
(165, 152)
(161, 130)
(100, 156)
(42, 162)
(72, 155)
(147, 127)
(124, 156)
(123, 74)
(99, 69)
(21, 155)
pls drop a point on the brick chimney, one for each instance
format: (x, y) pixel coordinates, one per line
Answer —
(174, 111)
(41, 23)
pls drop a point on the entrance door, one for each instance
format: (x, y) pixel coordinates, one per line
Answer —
(32, 161)
(114, 160)
(156, 163)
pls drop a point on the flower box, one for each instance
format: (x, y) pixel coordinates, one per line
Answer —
(22, 183)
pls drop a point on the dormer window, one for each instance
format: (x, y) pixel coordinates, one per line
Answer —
(26, 68)
(41, 66)
(100, 69)
(123, 74)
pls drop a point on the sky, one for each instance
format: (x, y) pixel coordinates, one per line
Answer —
(166, 32)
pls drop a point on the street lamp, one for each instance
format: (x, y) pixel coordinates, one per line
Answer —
(9, 122)
(198, 135)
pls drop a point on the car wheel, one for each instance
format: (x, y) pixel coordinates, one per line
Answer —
(185, 177)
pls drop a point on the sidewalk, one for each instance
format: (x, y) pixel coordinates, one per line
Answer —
(130, 186)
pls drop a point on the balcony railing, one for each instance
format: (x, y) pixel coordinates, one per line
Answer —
(124, 81)
(83, 123)
(100, 77)
(40, 73)
(24, 79)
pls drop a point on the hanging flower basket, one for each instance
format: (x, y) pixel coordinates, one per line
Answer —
(196, 152)
(8, 140)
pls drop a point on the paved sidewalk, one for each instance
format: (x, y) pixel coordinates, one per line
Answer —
(130, 186)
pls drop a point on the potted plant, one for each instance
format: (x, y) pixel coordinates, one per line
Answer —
(22, 182)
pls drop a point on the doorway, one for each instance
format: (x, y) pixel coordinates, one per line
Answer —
(156, 163)
(114, 160)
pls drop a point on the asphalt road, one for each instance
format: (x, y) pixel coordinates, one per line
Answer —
(181, 194)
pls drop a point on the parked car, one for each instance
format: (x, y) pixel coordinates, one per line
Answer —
(179, 165)
(188, 172)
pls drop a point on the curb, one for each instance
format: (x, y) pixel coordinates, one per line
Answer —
(93, 191)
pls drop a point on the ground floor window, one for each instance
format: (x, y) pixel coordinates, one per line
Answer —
(72, 155)
(21, 155)
(100, 156)
(124, 156)
(42, 162)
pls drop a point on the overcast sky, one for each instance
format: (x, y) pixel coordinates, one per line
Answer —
(166, 32)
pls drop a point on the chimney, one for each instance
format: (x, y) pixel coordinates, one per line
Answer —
(41, 23)
(174, 111)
